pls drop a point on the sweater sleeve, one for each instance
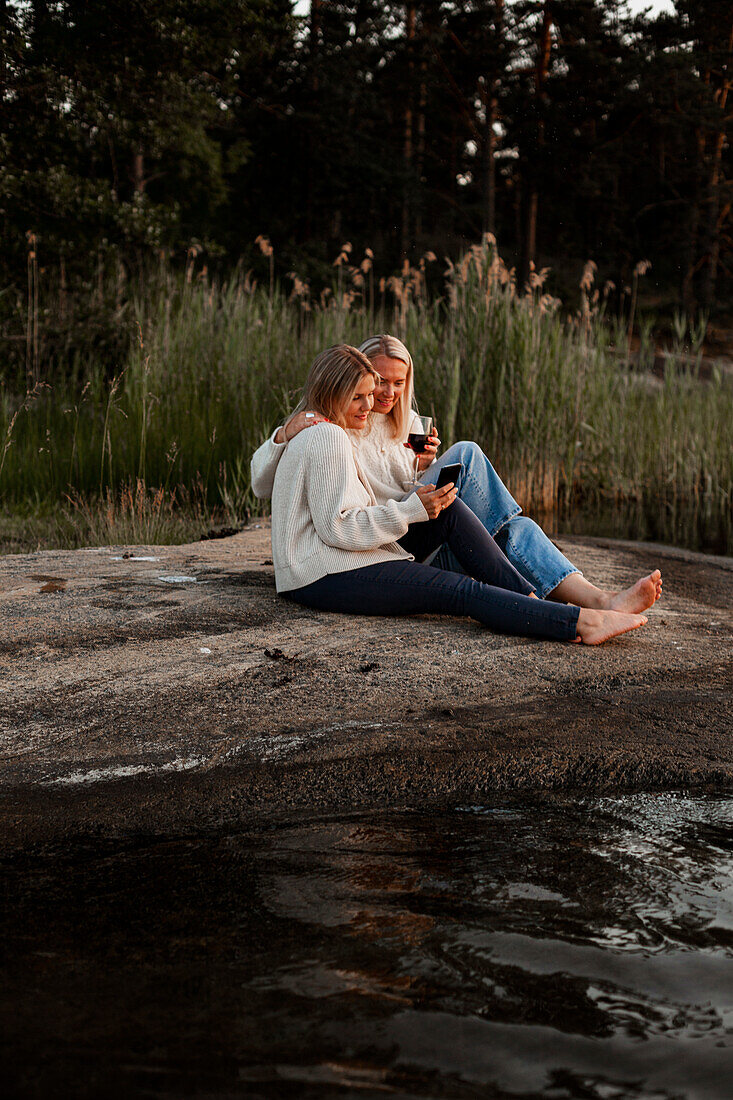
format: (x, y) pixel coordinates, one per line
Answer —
(339, 519)
(264, 464)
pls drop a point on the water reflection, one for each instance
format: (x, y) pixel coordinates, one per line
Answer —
(695, 525)
(602, 919)
(553, 948)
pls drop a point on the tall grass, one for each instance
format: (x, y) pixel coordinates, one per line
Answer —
(213, 366)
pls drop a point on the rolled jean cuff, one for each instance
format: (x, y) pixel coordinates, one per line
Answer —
(572, 621)
(534, 554)
(548, 588)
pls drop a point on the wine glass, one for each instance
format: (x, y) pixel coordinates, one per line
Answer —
(418, 438)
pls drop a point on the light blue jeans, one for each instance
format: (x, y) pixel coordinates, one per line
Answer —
(522, 540)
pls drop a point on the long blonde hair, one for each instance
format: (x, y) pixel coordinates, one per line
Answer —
(332, 380)
(392, 348)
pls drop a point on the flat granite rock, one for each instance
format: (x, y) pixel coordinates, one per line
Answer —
(155, 688)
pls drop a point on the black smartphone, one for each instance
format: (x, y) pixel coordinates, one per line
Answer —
(451, 472)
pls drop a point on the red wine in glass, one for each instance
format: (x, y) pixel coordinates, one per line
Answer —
(418, 438)
(417, 442)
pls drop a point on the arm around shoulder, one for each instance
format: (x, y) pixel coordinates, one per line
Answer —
(264, 465)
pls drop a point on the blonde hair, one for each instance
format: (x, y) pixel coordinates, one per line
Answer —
(392, 348)
(332, 381)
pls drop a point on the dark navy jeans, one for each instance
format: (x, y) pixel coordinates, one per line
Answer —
(491, 590)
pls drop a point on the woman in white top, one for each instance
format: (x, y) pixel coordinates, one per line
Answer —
(335, 548)
(389, 465)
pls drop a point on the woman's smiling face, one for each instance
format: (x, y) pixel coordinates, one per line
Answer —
(391, 383)
(358, 408)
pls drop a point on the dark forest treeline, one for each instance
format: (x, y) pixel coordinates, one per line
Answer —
(567, 127)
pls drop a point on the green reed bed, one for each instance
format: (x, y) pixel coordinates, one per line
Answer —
(159, 448)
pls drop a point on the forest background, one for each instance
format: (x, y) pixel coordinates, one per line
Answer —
(194, 193)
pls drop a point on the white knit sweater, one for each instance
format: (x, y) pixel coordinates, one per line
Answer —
(325, 517)
(387, 464)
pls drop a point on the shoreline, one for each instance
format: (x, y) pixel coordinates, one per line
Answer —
(172, 690)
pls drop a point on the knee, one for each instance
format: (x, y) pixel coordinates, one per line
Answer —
(470, 449)
(524, 523)
(466, 452)
(450, 514)
(445, 519)
(524, 528)
(456, 513)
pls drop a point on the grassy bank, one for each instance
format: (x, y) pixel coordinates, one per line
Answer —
(160, 447)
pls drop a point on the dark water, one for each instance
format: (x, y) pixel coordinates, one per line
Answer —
(694, 527)
(554, 947)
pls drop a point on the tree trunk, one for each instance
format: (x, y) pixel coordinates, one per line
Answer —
(713, 220)
(310, 136)
(420, 161)
(491, 116)
(530, 231)
(407, 146)
(529, 244)
(4, 30)
(138, 172)
(452, 174)
(689, 300)
(40, 26)
(315, 37)
(489, 163)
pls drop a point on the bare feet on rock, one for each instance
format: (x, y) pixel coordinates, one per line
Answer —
(639, 596)
(595, 627)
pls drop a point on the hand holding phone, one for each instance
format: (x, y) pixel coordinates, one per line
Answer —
(449, 473)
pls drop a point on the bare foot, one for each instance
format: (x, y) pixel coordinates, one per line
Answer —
(639, 596)
(595, 627)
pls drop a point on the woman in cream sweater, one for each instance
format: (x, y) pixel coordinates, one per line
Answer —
(336, 548)
(389, 465)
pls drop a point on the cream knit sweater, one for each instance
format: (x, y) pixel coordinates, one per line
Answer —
(325, 517)
(386, 463)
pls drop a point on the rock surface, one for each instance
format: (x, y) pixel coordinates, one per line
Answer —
(156, 688)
